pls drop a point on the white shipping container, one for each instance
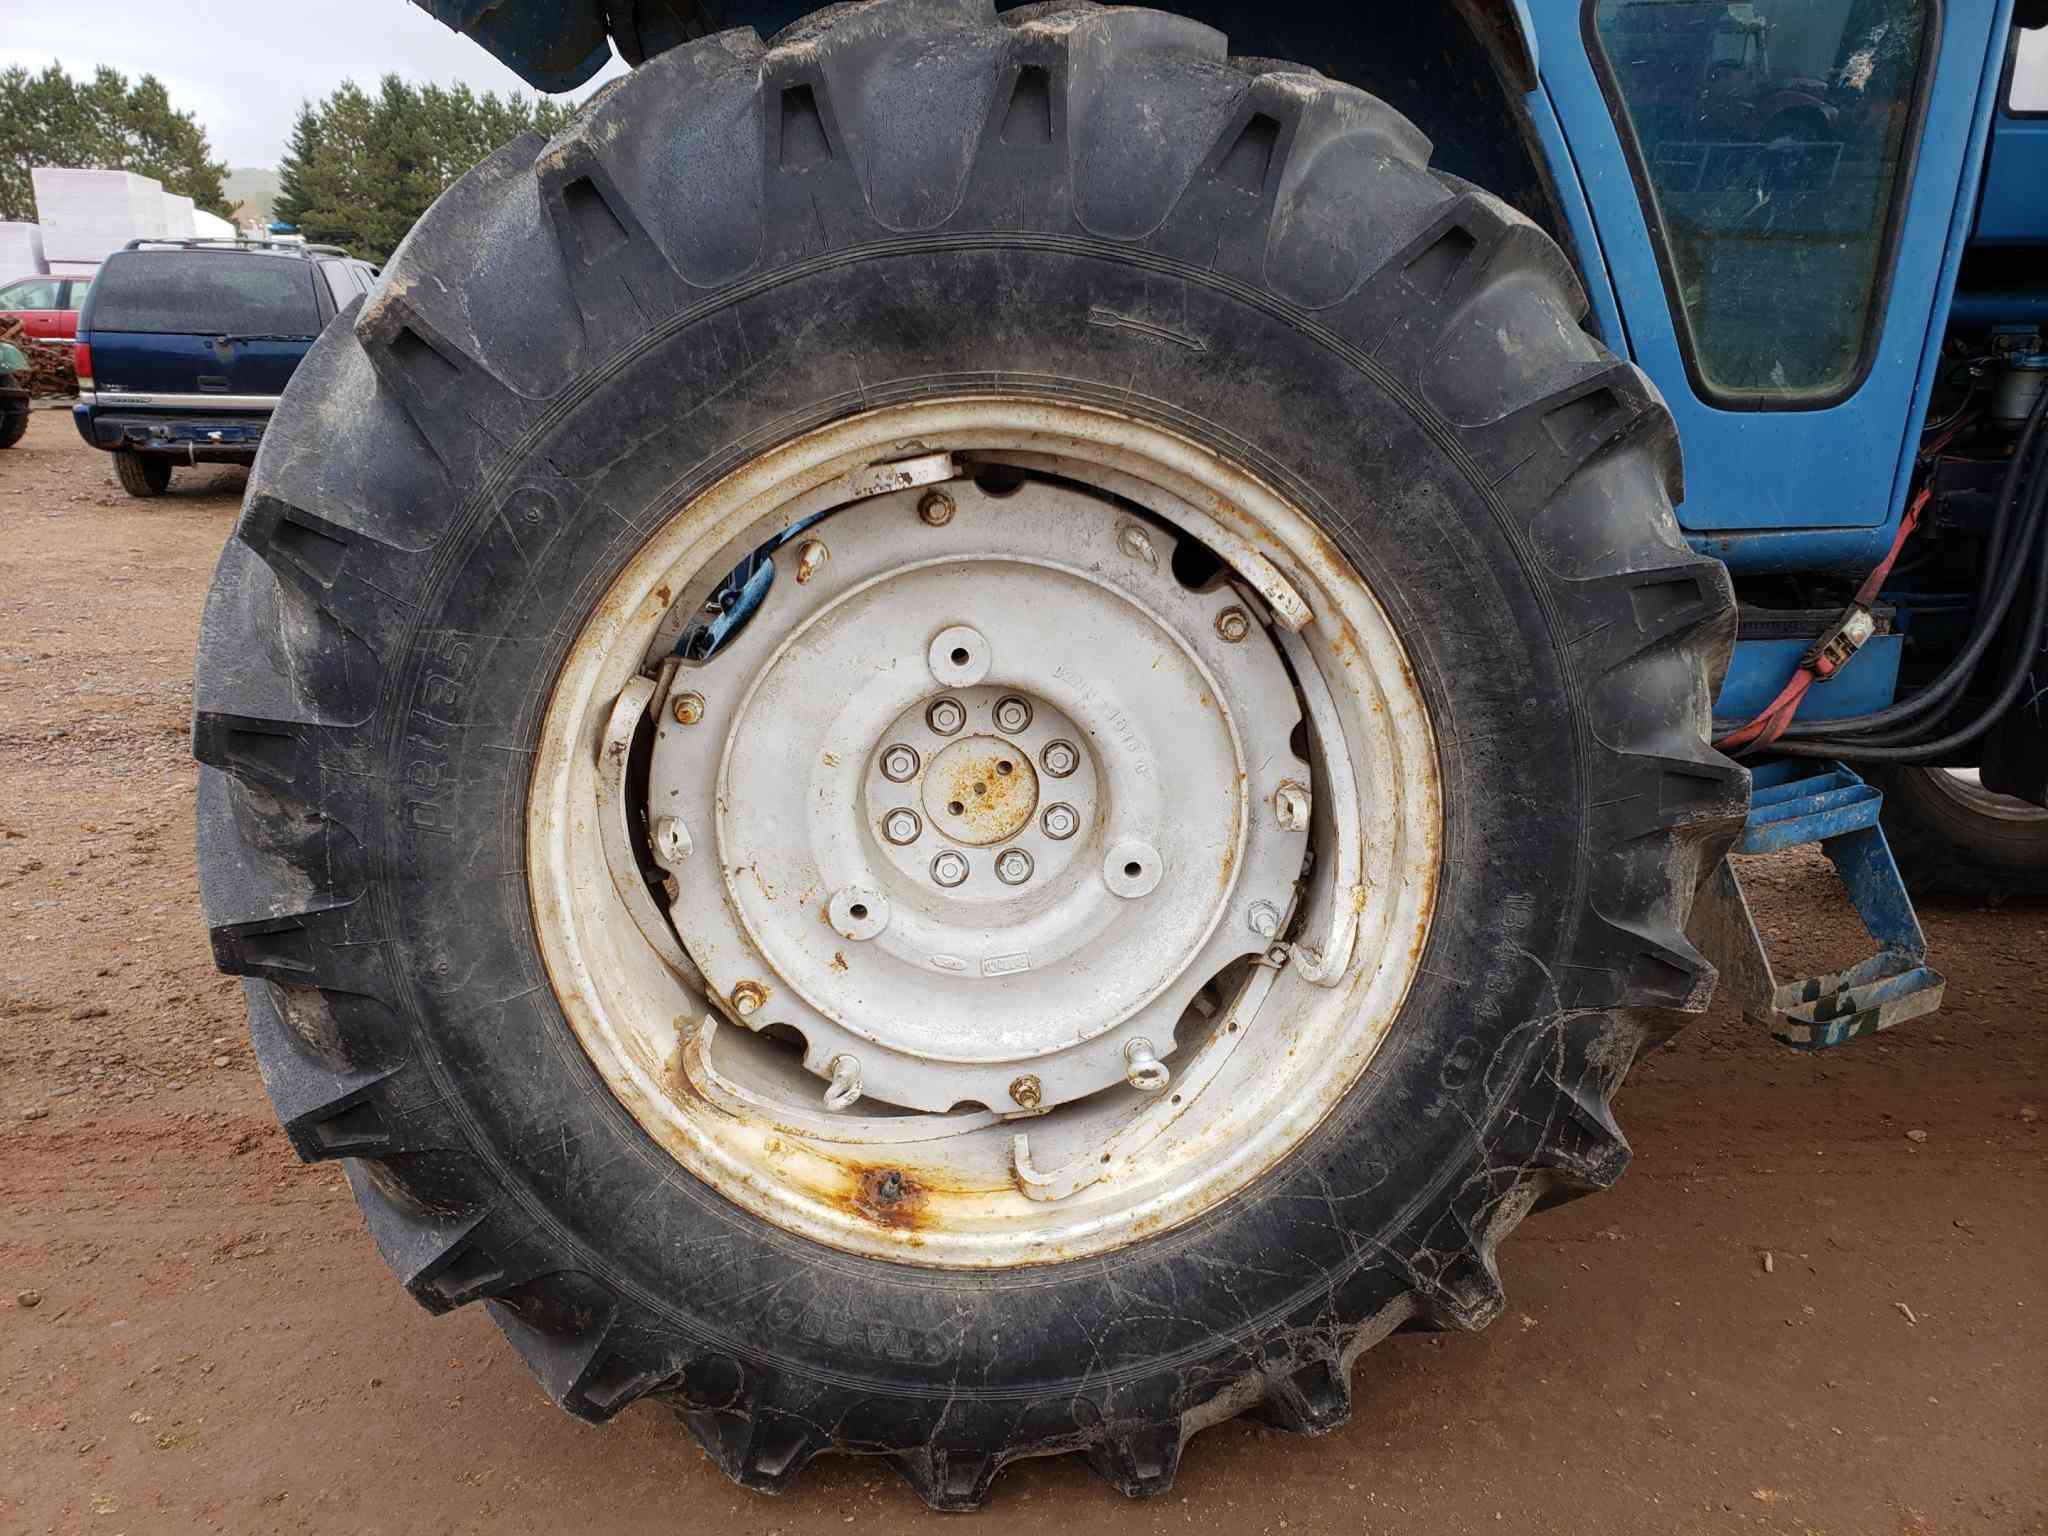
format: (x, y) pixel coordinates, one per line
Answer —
(178, 217)
(86, 214)
(21, 251)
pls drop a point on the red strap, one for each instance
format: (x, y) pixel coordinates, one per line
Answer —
(1769, 725)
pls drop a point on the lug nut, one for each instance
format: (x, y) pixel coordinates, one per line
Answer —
(1027, 1093)
(902, 827)
(845, 1085)
(1060, 758)
(1291, 804)
(946, 716)
(1012, 713)
(936, 509)
(1234, 625)
(1013, 866)
(949, 869)
(810, 559)
(748, 997)
(688, 708)
(1060, 821)
(900, 764)
(1264, 918)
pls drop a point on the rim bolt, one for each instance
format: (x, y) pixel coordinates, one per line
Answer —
(748, 997)
(1234, 625)
(1143, 1070)
(1264, 918)
(1012, 713)
(688, 708)
(902, 827)
(1013, 866)
(1060, 821)
(936, 509)
(1291, 804)
(946, 716)
(1060, 758)
(949, 869)
(810, 559)
(1027, 1093)
(900, 764)
(845, 1086)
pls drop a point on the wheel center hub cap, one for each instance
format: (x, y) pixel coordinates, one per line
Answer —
(981, 791)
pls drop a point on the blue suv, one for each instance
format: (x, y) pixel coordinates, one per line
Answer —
(184, 347)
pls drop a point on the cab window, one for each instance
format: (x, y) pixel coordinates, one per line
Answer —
(1770, 141)
(2026, 93)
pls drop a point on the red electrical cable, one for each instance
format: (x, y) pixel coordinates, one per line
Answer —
(1770, 724)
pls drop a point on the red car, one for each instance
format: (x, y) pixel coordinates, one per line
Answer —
(46, 306)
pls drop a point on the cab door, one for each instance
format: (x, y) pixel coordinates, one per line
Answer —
(1779, 192)
(38, 303)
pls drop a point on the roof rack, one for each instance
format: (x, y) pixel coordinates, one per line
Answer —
(221, 242)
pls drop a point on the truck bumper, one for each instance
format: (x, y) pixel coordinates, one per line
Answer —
(186, 438)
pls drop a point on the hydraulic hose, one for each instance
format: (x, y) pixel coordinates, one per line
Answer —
(1963, 665)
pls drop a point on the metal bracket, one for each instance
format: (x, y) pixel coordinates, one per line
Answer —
(616, 829)
(1837, 810)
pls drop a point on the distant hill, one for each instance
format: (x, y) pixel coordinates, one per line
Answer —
(252, 188)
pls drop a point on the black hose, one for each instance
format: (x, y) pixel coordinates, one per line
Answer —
(1963, 665)
(1933, 751)
(2036, 526)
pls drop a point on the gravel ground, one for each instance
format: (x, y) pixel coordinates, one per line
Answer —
(1818, 1302)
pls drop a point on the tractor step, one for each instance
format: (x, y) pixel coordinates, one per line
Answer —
(1792, 805)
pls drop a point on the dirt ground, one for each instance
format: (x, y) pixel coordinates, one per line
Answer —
(196, 1334)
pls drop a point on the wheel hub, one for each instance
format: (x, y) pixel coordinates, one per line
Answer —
(1016, 791)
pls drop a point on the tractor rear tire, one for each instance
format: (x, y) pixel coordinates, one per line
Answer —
(1953, 838)
(142, 474)
(739, 248)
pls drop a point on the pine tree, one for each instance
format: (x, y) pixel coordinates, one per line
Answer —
(295, 170)
(340, 198)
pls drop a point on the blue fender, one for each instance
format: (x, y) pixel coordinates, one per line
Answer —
(553, 45)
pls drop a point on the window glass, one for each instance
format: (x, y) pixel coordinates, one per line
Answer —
(36, 293)
(209, 293)
(2029, 89)
(1772, 136)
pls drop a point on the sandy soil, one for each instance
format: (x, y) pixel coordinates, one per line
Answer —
(196, 1334)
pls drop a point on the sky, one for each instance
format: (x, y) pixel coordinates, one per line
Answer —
(271, 55)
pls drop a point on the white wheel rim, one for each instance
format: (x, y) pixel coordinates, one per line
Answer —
(1042, 1021)
(1966, 787)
